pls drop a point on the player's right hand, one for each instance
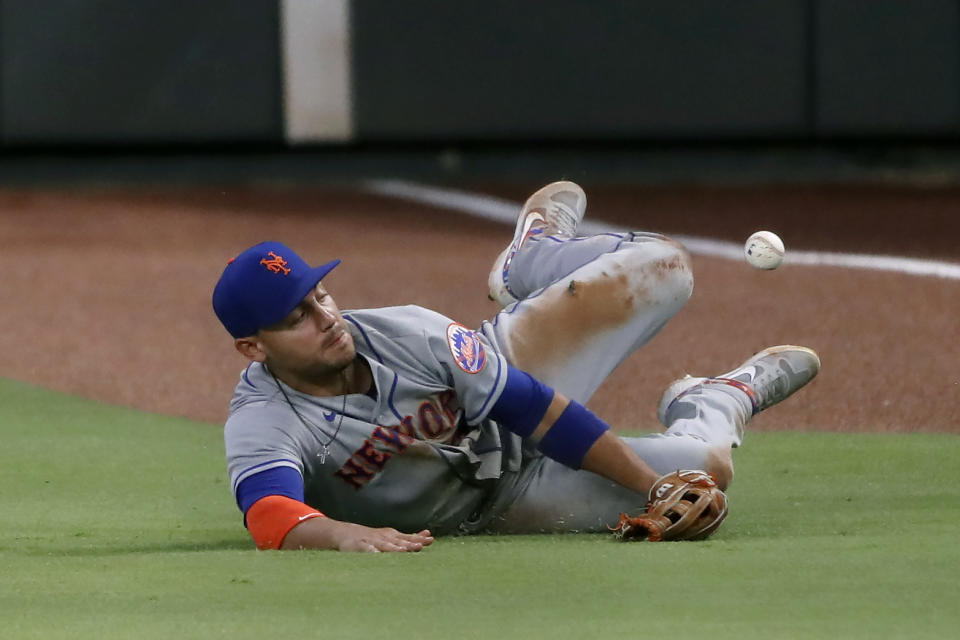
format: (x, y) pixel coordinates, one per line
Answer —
(327, 533)
(361, 538)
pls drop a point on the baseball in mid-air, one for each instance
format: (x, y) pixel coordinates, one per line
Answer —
(764, 250)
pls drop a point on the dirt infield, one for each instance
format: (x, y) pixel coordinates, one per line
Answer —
(107, 292)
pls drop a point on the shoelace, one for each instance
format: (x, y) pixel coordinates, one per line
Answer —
(562, 218)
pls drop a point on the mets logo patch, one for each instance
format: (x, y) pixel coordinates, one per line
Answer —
(466, 348)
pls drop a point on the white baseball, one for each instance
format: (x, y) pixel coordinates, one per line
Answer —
(764, 250)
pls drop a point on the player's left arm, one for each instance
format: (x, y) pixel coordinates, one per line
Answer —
(568, 432)
(488, 387)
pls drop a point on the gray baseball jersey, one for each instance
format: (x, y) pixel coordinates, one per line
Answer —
(420, 453)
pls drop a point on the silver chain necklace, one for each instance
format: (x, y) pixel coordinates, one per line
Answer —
(325, 448)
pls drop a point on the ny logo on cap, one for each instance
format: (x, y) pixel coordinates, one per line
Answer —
(277, 264)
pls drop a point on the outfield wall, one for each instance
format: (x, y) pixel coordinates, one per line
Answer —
(114, 72)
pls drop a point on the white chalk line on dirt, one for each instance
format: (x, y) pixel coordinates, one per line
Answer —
(505, 211)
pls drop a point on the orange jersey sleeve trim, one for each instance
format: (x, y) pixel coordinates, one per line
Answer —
(271, 518)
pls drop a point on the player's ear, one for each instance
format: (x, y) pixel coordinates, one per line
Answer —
(250, 348)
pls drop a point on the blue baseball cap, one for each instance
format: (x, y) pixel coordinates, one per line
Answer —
(262, 285)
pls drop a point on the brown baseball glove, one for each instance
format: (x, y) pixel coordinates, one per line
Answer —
(684, 505)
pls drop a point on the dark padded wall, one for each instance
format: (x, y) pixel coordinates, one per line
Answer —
(116, 71)
(569, 69)
(887, 67)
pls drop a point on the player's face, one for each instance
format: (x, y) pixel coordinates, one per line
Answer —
(312, 342)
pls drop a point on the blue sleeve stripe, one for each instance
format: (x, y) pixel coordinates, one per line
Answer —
(522, 404)
(572, 435)
(496, 382)
(263, 466)
(279, 481)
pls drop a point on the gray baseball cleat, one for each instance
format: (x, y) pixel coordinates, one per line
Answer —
(553, 210)
(767, 378)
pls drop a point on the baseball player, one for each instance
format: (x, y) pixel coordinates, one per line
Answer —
(376, 429)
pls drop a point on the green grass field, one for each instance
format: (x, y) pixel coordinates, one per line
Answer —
(120, 524)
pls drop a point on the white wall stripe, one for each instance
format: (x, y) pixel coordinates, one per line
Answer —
(315, 42)
(505, 211)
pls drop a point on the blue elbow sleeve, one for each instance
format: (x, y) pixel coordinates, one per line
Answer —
(522, 406)
(572, 435)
